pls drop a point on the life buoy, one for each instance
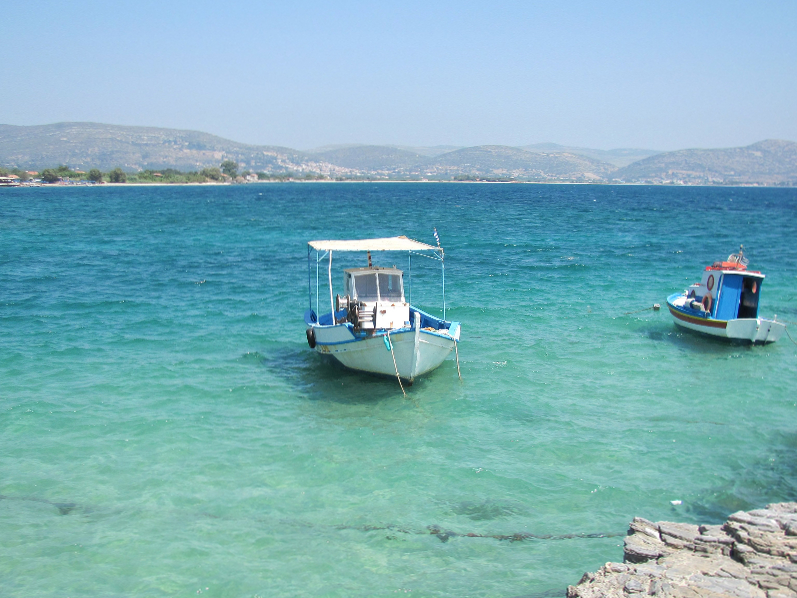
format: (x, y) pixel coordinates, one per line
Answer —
(311, 338)
(710, 282)
(706, 302)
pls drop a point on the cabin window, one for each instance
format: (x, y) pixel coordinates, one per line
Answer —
(365, 287)
(390, 287)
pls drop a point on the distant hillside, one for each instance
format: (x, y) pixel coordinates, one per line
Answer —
(372, 158)
(82, 146)
(430, 151)
(488, 161)
(769, 162)
(511, 162)
(93, 145)
(618, 157)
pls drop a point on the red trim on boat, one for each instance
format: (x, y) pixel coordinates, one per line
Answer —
(698, 321)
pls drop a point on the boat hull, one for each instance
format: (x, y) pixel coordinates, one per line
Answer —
(755, 330)
(416, 352)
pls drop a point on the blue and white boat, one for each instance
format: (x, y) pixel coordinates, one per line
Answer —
(725, 303)
(372, 327)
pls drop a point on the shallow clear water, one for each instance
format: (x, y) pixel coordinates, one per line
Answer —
(164, 428)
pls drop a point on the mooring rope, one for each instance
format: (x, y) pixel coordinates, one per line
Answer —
(786, 328)
(654, 307)
(456, 350)
(444, 535)
(393, 355)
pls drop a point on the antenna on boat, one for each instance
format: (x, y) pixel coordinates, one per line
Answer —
(443, 263)
(738, 258)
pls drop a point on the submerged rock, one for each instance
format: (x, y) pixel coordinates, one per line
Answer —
(753, 555)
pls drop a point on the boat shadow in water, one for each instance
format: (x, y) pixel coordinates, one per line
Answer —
(322, 378)
(692, 341)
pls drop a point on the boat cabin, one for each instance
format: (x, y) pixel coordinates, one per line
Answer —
(379, 291)
(374, 284)
(728, 294)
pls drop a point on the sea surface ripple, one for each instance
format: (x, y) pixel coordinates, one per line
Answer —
(166, 431)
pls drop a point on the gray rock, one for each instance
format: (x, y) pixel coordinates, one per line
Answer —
(680, 531)
(634, 586)
(643, 526)
(640, 548)
(753, 555)
(711, 530)
(752, 521)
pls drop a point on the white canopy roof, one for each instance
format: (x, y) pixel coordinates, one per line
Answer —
(401, 243)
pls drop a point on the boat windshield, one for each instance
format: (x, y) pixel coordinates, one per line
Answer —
(365, 287)
(389, 289)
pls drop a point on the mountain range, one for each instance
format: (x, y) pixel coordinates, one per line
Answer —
(93, 145)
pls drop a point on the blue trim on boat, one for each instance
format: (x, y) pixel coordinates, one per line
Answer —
(427, 321)
(363, 336)
(694, 316)
(695, 313)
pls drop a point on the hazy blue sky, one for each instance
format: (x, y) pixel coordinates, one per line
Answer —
(661, 75)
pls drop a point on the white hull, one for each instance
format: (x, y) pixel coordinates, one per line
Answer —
(755, 330)
(415, 353)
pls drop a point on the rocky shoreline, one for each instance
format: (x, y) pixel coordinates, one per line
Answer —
(752, 555)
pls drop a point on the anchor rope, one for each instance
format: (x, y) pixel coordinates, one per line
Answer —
(444, 534)
(786, 328)
(654, 307)
(393, 355)
(67, 508)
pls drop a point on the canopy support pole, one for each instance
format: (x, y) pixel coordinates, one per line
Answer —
(409, 256)
(442, 261)
(309, 280)
(331, 299)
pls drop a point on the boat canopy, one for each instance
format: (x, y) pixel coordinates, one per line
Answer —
(393, 281)
(401, 243)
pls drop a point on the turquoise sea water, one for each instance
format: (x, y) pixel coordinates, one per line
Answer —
(165, 430)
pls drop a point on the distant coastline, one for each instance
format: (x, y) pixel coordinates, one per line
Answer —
(105, 185)
(69, 152)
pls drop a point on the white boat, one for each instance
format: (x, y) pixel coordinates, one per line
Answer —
(9, 181)
(375, 329)
(725, 303)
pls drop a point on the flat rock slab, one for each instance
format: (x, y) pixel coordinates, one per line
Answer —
(753, 555)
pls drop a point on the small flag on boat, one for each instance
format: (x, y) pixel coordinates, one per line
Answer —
(436, 237)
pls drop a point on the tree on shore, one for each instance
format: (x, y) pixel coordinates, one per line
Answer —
(64, 172)
(214, 174)
(117, 175)
(50, 176)
(95, 175)
(230, 168)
